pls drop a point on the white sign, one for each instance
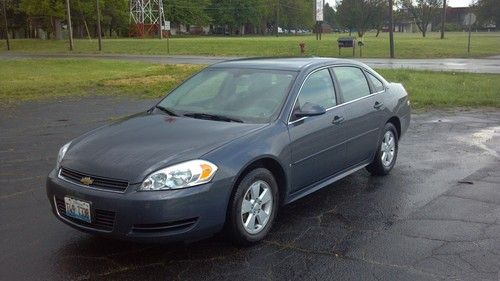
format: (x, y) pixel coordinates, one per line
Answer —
(166, 25)
(319, 10)
(469, 19)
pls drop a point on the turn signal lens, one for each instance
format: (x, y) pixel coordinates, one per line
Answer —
(206, 171)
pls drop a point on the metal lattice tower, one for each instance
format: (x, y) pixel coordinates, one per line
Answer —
(146, 17)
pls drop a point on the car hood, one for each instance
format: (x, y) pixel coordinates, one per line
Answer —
(132, 148)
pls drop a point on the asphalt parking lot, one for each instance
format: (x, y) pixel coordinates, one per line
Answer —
(437, 216)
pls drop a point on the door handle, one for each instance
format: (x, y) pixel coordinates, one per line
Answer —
(378, 105)
(338, 119)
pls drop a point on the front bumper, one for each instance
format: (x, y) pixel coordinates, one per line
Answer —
(148, 216)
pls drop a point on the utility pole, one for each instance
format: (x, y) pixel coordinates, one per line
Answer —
(277, 17)
(99, 39)
(70, 28)
(391, 28)
(443, 19)
(160, 18)
(6, 25)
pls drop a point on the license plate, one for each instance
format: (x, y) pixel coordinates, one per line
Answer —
(77, 209)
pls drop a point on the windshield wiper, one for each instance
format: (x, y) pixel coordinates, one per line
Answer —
(213, 117)
(166, 110)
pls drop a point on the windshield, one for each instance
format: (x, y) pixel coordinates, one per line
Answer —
(248, 95)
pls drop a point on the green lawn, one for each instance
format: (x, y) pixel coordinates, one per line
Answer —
(408, 45)
(35, 79)
(447, 89)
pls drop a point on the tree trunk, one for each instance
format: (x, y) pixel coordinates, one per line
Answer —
(57, 28)
(443, 19)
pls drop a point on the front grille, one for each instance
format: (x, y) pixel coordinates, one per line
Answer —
(98, 182)
(101, 219)
(176, 226)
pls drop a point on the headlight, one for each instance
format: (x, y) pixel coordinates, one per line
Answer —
(182, 175)
(61, 154)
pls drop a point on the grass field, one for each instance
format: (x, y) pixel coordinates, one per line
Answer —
(408, 45)
(37, 79)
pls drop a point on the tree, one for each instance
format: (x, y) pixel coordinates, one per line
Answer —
(187, 12)
(488, 11)
(329, 14)
(361, 15)
(235, 13)
(422, 12)
(115, 16)
(380, 16)
(296, 14)
(50, 12)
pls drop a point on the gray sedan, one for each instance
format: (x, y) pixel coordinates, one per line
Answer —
(227, 148)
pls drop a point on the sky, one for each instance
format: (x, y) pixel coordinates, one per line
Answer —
(451, 3)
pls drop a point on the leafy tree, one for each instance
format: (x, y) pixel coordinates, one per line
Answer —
(422, 11)
(16, 18)
(50, 12)
(361, 15)
(488, 10)
(329, 15)
(187, 12)
(380, 16)
(235, 13)
(296, 14)
(115, 16)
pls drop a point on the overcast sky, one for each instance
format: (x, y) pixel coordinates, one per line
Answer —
(452, 3)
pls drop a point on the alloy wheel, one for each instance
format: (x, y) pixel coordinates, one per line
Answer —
(388, 148)
(256, 207)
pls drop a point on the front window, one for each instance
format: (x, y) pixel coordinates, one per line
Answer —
(248, 95)
(317, 89)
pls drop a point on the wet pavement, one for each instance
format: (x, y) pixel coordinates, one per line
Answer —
(435, 217)
(486, 65)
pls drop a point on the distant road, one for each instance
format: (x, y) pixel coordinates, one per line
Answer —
(484, 65)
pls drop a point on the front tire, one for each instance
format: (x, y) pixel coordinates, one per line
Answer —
(387, 152)
(253, 207)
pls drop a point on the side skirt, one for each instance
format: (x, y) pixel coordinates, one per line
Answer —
(315, 187)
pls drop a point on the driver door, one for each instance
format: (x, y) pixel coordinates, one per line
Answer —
(317, 142)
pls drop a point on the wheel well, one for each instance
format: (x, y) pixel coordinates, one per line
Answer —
(395, 121)
(274, 167)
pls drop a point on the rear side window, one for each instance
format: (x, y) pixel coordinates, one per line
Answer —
(352, 82)
(378, 86)
(317, 89)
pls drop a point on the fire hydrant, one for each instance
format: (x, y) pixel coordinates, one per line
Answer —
(302, 47)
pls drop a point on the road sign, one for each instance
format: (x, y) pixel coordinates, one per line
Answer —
(166, 25)
(319, 10)
(469, 19)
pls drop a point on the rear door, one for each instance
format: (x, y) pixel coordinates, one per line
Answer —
(364, 113)
(317, 142)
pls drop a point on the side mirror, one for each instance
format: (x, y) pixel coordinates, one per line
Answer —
(309, 109)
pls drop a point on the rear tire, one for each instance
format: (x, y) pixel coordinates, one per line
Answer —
(387, 152)
(253, 207)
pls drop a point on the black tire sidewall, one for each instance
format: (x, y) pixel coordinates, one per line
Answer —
(238, 232)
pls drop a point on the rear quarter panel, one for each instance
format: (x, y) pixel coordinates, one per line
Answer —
(399, 104)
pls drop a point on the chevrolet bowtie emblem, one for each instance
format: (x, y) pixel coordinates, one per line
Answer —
(86, 181)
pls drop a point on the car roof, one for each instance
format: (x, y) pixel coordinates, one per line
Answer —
(292, 63)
